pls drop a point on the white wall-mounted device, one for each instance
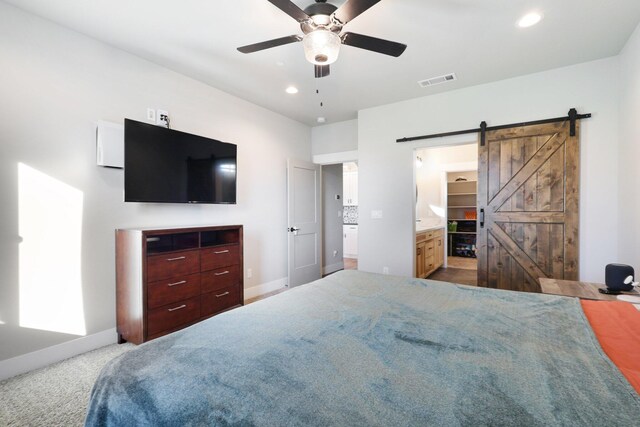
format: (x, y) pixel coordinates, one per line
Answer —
(110, 144)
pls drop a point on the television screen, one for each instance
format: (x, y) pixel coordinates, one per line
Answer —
(167, 166)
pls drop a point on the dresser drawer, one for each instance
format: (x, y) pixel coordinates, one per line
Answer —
(171, 290)
(220, 278)
(215, 302)
(438, 233)
(172, 265)
(173, 315)
(220, 256)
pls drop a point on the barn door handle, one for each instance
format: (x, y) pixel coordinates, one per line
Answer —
(482, 218)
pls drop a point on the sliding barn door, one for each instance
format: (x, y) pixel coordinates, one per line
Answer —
(528, 180)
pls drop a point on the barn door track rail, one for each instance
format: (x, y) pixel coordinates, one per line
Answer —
(572, 116)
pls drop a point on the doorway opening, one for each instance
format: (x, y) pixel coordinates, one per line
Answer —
(340, 217)
(446, 213)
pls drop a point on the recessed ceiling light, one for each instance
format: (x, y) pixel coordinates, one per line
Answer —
(280, 64)
(292, 90)
(321, 120)
(530, 19)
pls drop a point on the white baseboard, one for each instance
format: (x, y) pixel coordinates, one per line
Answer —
(41, 358)
(332, 268)
(265, 288)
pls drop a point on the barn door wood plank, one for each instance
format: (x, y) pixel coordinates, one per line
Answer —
(536, 217)
(533, 165)
(528, 186)
(505, 169)
(481, 236)
(572, 197)
(517, 161)
(529, 265)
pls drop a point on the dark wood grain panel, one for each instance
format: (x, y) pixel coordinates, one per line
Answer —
(504, 169)
(173, 315)
(219, 256)
(494, 169)
(130, 307)
(172, 264)
(221, 300)
(172, 290)
(530, 185)
(530, 198)
(220, 278)
(157, 294)
(517, 161)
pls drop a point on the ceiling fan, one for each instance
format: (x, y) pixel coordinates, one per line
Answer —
(322, 23)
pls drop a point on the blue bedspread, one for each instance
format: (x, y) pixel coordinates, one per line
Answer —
(359, 349)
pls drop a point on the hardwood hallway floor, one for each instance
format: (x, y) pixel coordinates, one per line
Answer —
(460, 270)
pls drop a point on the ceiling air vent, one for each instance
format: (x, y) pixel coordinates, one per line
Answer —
(437, 80)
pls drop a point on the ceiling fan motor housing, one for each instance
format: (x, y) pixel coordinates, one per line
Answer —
(322, 9)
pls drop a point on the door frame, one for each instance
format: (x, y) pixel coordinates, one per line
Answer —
(442, 142)
(328, 159)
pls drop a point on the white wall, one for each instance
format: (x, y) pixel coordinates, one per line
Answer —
(54, 84)
(386, 168)
(629, 175)
(430, 178)
(331, 222)
(335, 137)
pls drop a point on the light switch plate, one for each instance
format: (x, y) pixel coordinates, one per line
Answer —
(376, 214)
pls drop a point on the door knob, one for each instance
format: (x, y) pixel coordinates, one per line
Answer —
(294, 230)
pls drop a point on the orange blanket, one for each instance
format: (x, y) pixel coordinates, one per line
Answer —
(617, 326)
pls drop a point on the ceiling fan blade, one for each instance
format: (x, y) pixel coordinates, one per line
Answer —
(321, 71)
(291, 9)
(374, 44)
(352, 8)
(269, 44)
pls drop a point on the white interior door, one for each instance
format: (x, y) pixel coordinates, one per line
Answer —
(304, 230)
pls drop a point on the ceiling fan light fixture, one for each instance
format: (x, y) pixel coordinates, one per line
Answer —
(321, 19)
(321, 47)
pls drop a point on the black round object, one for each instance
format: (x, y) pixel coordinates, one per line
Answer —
(615, 275)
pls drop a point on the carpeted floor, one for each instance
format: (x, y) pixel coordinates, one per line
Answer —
(56, 395)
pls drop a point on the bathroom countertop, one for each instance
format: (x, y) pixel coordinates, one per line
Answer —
(421, 228)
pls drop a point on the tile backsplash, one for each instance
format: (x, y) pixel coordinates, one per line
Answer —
(350, 214)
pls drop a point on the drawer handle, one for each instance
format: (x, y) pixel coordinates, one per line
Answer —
(176, 259)
(221, 295)
(177, 308)
(177, 283)
(221, 274)
(226, 251)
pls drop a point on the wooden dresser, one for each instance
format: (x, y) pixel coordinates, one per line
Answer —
(429, 251)
(167, 279)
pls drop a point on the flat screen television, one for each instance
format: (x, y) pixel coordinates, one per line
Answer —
(167, 166)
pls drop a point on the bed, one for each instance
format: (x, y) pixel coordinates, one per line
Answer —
(357, 348)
